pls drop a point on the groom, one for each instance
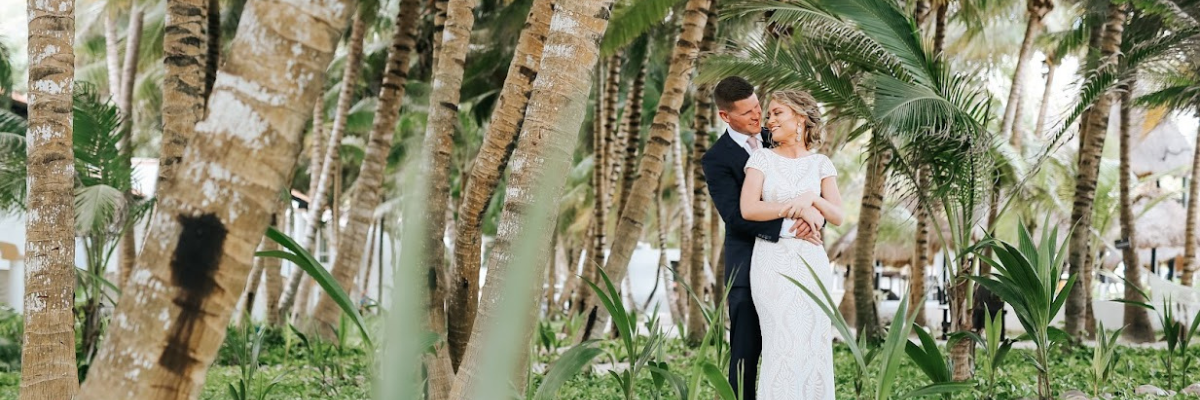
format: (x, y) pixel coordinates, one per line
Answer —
(724, 172)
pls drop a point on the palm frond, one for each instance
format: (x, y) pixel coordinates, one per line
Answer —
(98, 208)
(97, 137)
(629, 23)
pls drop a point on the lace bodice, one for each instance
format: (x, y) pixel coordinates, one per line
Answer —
(787, 178)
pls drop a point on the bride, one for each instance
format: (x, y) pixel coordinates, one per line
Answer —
(790, 180)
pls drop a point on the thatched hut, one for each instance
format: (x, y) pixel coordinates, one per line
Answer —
(1160, 150)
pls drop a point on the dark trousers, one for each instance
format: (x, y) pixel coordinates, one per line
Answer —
(745, 341)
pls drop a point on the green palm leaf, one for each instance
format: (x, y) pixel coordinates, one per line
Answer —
(630, 22)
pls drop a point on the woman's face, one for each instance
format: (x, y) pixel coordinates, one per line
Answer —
(784, 123)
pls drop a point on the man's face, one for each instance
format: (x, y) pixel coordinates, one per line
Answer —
(745, 116)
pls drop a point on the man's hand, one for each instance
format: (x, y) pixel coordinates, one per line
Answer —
(807, 232)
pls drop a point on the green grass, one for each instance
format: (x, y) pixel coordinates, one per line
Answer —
(302, 379)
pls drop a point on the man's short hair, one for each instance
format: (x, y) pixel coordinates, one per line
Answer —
(731, 90)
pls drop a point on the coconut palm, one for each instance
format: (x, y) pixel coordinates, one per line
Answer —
(556, 110)
(370, 179)
(185, 47)
(503, 130)
(48, 353)
(202, 239)
(1035, 10)
(662, 134)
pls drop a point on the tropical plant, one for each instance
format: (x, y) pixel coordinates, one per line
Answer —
(248, 385)
(1027, 279)
(1104, 356)
(567, 366)
(995, 351)
(626, 324)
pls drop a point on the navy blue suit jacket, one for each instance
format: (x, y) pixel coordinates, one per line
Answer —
(724, 172)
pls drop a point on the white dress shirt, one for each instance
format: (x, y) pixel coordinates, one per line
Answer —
(742, 139)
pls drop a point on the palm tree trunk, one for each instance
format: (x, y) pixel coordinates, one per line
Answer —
(133, 38)
(920, 261)
(112, 52)
(504, 129)
(700, 125)
(317, 144)
(1189, 232)
(866, 314)
(598, 228)
(48, 353)
(317, 198)
(1137, 319)
(962, 354)
(369, 194)
(556, 109)
(245, 304)
(1044, 107)
(1036, 10)
(662, 133)
(633, 134)
(213, 61)
(200, 245)
(271, 268)
(435, 156)
(1085, 180)
(185, 77)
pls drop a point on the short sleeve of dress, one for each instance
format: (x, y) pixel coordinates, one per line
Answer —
(827, 169)
(758, 160)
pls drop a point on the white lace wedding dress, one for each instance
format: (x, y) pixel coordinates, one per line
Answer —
(797, 352)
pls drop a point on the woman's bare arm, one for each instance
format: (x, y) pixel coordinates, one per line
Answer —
(753, 207)
(830, 202)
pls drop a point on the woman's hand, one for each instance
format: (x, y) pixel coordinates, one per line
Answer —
(794, 209)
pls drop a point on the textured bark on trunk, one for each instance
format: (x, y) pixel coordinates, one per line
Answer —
(500, 141)
(1137, 319)
(203, 238)
(1044, 106)
(1085, 180)
(962, 355)
(662, 133)
(556, 110)
(48, 353)
(185, 81)
(1035, 10)
(701, 125)
(246, 302)
(866, 313)
(293, 292)
(1189, 232)
(112, 52)
(920, 260)
(633, 134)
(369, 194)
(133, 38)
(271, 268)
(435, 166)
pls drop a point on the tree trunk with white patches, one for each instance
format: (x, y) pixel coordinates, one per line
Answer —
(166, 332)
(48, 350)
(317, 198)
(133, 38)
(499, 143)
(185, 80)
(557, 108)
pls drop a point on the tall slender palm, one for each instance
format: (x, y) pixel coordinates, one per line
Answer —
(204, 234)
(370, 179)
(48, 353)
(316, 204)
(1137, 320)
(490, 164)
(662, 133)
(1035, 10)
(435, 153)
(1085, 182)
(133, 38)
(701, 126)
(185, 58)
(556, 110)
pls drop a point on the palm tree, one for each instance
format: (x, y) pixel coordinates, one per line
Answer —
(1137, 320)
(490, 164)
(316, 206)
(204, 234)
(557, 108)
(662, 134)
(370, 178)
(701, 126)
(125, 101)
(435, 151)
(185, 47)
(1036, 11)
(48, 352)
(1092, 142)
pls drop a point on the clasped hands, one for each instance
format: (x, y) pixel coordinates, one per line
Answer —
(809, 219)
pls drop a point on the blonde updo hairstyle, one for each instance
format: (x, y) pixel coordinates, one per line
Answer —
(804, 105)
